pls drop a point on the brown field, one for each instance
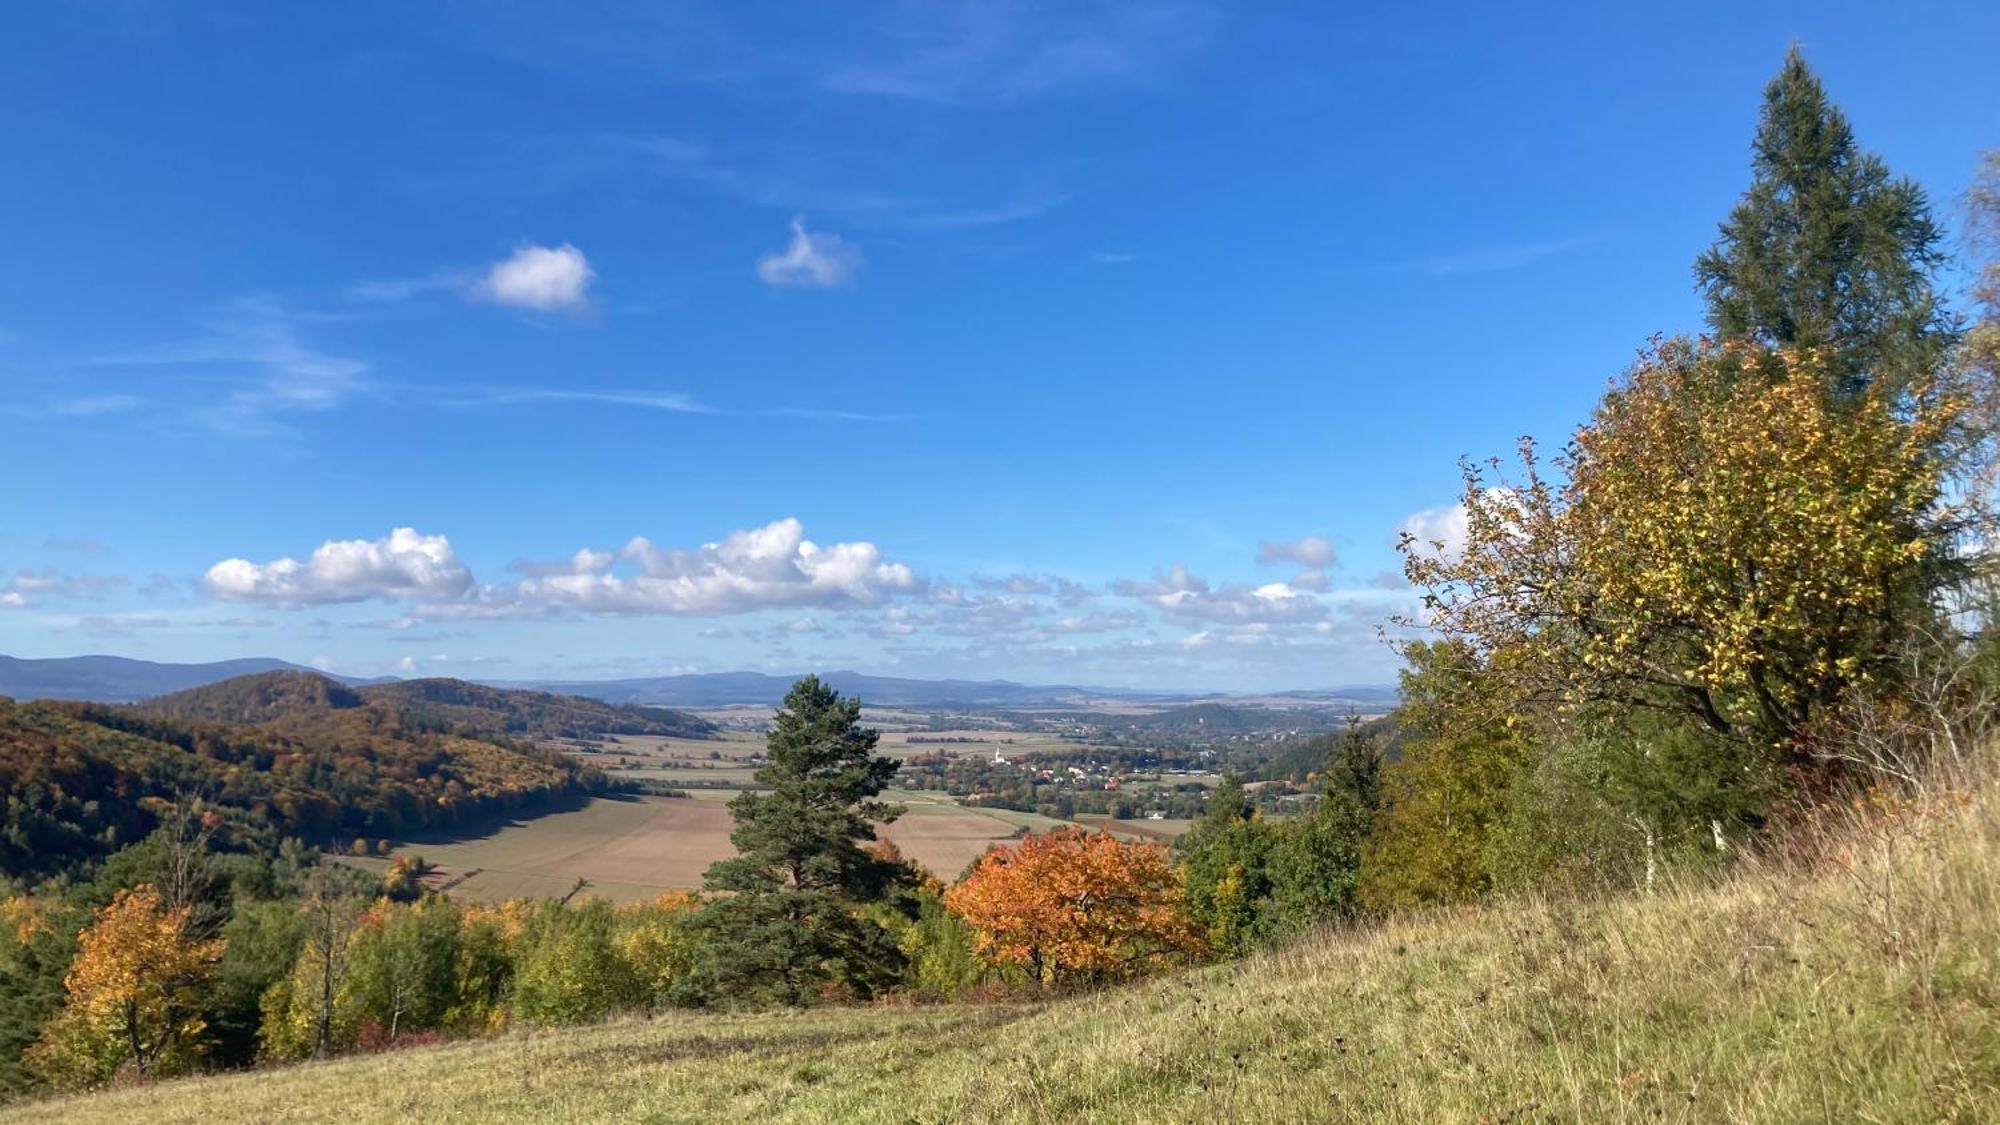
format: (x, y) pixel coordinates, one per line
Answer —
(632, 848)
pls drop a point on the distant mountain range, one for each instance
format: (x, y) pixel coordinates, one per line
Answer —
(118, 679)
(725, 689)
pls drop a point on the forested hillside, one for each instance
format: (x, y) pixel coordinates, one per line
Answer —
(84, 780)
(299, 698)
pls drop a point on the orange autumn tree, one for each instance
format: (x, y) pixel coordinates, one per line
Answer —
(134, 995)
(1076, 905)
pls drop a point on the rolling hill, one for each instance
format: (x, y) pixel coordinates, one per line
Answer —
(81, 780)
(465, 708)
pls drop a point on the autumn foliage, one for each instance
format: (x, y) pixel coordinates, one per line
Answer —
(133, 995)
(1731, 542)
(1072, 905)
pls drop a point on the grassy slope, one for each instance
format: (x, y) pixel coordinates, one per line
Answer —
(1866, 992)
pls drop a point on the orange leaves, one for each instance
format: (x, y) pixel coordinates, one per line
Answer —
(1071, 903)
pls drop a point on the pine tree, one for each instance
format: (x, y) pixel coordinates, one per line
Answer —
(1827, 249)
(786, 927)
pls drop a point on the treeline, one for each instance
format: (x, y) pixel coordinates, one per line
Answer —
(1758, 578)
(182, 954)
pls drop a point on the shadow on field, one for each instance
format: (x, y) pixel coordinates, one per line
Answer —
(482, 828)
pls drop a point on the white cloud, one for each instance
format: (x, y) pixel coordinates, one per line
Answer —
(544, 278)
(814, 260)
(1183, 596)
(405, 564)
(28, 587)
(762, 568)
(1439, 531)
(1064, 590)
(1308, 551)
(1442, 531)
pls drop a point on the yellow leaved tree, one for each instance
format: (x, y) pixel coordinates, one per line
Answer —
(1731, 543)
(134, 996)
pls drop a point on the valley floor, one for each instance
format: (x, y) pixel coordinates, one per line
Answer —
(1867, 992)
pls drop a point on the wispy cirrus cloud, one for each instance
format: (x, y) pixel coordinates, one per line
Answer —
(938, 53)
(254, 343)
(1494, 259)
(32, 587)
(966, 53)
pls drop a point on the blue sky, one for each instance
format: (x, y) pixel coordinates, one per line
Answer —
(1081, 342)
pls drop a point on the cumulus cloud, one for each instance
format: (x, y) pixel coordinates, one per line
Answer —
(405, 564)
(763, 568)
(1438, 531)
(1064, 590)
(1185, 597)
(543, 278)
(1442, 531)
(820, 261)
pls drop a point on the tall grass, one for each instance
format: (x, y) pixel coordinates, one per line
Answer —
(1850, 978)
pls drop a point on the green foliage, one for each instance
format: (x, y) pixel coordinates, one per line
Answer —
(1827, 249)
(37, 942)
(788, 929)
(403, 967)
(1225, 861)
(1316, 866)
(940, 953)
(1250, 880)
(1446, 796)
(567, 970)
(263, 940)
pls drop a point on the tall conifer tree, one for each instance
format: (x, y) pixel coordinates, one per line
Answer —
(786, 928)
(1827, 249)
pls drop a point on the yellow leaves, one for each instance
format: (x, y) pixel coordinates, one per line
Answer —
(1724, 521)
(130, 992)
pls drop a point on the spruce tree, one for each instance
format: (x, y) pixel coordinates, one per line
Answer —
(786, 926)
(1827, 249)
